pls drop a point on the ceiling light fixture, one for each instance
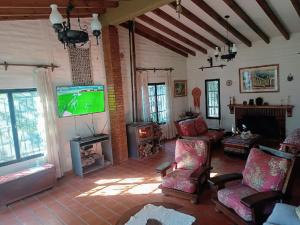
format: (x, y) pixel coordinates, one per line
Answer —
(231, 49)
(178, 8)
(65, 34)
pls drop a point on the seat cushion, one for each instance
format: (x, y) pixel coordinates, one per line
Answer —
(231, 197)
(190, 154)
(283, 214)
(265, 172)
(179, 180)
(187, 128)
(214, 135)
(200, 126)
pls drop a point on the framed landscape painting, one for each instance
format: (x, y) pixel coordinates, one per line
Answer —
(259, 79)
(180, 88)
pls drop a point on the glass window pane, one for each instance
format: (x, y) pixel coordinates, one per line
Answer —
(29, 122)
(213, 99)
(7, 148)
(151, 90)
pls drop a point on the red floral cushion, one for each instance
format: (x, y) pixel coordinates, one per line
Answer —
(265, 172)
(200, 126)
(190, 154)
(231, 197)
(214, 135)
(187, 128)
(179, 180)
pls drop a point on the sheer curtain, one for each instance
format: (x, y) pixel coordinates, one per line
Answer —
(143, 106)
(45, 91)
(168, 128)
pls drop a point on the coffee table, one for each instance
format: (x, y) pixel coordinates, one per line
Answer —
(126, 216)
(235, 144)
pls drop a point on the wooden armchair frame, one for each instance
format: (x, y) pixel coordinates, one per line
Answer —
(199, 177)
(257, 201)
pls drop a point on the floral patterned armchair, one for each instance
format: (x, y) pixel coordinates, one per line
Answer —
(190, 170)
(266, 179)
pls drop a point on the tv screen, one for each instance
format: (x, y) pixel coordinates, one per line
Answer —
(80, 100)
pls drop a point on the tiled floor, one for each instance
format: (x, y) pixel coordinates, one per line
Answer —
(102, 197)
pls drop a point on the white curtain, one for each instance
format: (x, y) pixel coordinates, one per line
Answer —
(169, 128)
(143, 106)
(46, 94)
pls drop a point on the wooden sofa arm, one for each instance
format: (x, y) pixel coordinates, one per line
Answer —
(162, 169)
(219, 181)
(261, 198)
(197, 174)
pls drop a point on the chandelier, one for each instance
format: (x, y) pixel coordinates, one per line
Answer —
(70, 37)
(229, 51)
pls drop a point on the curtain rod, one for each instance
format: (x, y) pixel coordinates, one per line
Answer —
(52, 66)
(154, 69)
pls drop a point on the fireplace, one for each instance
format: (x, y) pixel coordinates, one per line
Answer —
(268, 121)
(266, 126)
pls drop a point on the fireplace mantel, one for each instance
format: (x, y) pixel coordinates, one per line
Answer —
(288, 108)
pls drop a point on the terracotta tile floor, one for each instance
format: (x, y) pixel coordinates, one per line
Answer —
(102, 197)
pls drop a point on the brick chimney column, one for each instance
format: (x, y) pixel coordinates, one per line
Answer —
(112, 62)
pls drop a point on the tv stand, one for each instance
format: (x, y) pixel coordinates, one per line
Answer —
(88, 156)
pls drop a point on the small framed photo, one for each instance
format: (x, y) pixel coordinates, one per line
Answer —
(259, 79)
(180, 88)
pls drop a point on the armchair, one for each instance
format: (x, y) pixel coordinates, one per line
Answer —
(266, 179)
(191, 169)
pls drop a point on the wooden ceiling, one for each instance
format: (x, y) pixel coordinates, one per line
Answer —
(202, 25)
(40, 9)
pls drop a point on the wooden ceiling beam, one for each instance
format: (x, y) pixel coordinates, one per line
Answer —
(296, 4)
(45, 11)
(269, 12)
(128, 10)
(37, 4)
(211, 12)
(36, 17)
(201, 23)
(244, 16)
(183, 27)
(157, 41)
(172, 33)
(141, 27)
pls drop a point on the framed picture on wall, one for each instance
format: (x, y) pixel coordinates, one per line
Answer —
(180, 88)
(259, 79)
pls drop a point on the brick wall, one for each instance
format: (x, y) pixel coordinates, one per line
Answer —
(115, 93)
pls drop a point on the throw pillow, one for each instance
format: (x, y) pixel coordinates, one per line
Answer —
(187, 128)
(298, 211)
(264, 172)
(200, 126)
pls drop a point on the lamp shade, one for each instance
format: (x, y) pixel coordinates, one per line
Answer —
(55, 16)
(234, 49)
(95, 24)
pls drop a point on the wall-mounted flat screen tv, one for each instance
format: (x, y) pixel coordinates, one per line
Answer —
(80, 100)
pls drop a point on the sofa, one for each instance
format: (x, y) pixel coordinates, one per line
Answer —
(197, 128)
(291, 143)
(283, 214)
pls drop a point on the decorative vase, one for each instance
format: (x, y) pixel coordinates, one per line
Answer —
(251, 101)
(259, 101)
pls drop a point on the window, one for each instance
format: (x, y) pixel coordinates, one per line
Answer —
(212, 92)
(21, 126)
(158, 102)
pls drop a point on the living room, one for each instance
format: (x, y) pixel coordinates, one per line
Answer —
(168, 77)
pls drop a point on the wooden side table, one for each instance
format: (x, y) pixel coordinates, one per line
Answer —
(235, 144)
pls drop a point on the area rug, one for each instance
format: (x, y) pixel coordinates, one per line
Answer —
(163, 215)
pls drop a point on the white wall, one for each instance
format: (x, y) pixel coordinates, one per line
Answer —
(36, 42)
(279, 51)
(150, 54)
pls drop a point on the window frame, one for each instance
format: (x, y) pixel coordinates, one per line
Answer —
(206, 99)
(156, 100)
(18, 159)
